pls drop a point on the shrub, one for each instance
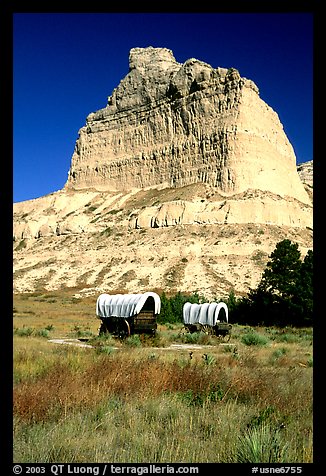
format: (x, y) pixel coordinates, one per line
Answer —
(261, 444)
(172, 307)
(253, 338)
(310, 362)
(278, 353)
(192, 338)
(21, 245)
(262, 418)
(79, 332)
(42, 333)
(105, 349)
(214, 393)
(24, 331)
(288, 338)
(133, 341)
(209, 359)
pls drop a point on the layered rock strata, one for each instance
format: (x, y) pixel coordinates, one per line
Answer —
(169, 125)
(68, 212)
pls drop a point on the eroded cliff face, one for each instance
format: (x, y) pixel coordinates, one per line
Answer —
(184, 181)
(170, 125)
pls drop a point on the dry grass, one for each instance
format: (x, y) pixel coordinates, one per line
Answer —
(67, 385)
(151, 404)
(59, 309)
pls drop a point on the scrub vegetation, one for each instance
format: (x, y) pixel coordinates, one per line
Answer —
(143, 400)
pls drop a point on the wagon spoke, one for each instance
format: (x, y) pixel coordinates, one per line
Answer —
(207, 329)
(183, 331)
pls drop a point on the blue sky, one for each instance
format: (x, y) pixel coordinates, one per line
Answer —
(66, 65)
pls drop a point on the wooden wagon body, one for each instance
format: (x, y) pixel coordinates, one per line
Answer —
(211, 318)
(127, 314)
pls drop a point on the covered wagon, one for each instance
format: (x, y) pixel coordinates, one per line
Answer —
(127, 314)
(211, 318)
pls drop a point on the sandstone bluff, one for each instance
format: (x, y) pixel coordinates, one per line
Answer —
(185, 181)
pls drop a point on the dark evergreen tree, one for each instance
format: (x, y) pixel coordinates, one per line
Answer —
(232, 301)
(303, 298)
(172, 307)
(284, 295)
(282, 271)
(166, 314)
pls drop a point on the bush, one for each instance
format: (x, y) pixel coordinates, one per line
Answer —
(172, 307)
(29, 331)
(42, 333)
(79, 332)
(253, 338)
(213, 394)
(105, 349)
(133, 341)
(278, 353)
(261, 445)
(191, 338)
(24, 331)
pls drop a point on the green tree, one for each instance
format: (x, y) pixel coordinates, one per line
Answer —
(166, 314)
(232, 301)
(172, 307)
(284, 295)
(303, 298)
(282, 272)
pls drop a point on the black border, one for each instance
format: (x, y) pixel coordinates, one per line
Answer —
(7, 10)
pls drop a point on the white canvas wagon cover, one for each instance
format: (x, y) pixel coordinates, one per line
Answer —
(206, 314)
(126, 305)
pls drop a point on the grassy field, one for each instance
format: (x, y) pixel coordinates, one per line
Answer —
(141, 400)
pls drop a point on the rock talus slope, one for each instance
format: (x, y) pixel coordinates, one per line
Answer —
(184, 181)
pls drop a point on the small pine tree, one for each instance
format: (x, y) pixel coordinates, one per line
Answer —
(172, 307)
(231, 301)
(303, 298)
(282, 271)
(284, 295)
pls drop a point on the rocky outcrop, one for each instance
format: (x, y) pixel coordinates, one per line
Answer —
(170, 125)
(249, 207)
(73, 212)
(305, 171)
(184, 181)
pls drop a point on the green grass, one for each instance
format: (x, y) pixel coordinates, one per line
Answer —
(262, 444)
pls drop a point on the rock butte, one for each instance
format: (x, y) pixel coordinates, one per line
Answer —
(177, 145)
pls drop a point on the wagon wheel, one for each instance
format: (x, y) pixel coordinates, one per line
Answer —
(184, 330)
(103, 329)
(225, 337)
(206, 329)
(124, 329)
